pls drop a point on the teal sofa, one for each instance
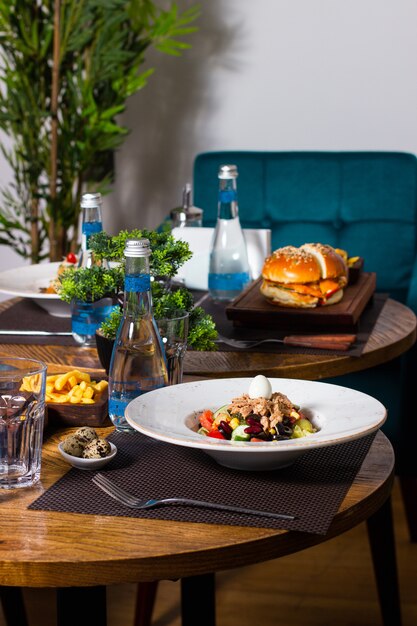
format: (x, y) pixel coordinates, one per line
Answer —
(363, 202)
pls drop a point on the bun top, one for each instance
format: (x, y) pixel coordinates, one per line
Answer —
(332, 265)
(307, 264)
(291, 265)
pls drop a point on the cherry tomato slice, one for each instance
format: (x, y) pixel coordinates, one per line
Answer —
(206, 419)
(71, 258)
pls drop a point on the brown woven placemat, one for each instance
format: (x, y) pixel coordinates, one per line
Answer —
(312, 488)
(27, 315)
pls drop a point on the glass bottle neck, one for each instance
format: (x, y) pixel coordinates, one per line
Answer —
(137, 294)
(227, 203)
(91, 224)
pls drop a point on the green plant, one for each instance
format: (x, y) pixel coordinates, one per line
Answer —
(168, 254)
(67, 69)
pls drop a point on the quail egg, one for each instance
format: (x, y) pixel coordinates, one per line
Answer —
(96, 449)
(71, 445)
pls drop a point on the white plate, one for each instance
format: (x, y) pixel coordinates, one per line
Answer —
(25, 282)
(170, 414)
(88, 464)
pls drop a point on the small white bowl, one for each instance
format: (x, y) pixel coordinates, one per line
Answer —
(88, 464)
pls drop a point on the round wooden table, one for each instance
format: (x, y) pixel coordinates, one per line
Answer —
(63, 550)
(393, 334)
(74, 552)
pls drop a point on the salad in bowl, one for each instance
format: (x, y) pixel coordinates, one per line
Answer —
(259, 415)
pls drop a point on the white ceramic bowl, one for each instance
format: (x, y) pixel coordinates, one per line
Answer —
(170, 414)
(88, 464)
(26, 282)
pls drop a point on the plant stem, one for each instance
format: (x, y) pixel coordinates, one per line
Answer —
(79, 188)
(55, 253)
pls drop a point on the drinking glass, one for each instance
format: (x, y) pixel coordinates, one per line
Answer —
(174, 333)
(22, 411)
(87, 317)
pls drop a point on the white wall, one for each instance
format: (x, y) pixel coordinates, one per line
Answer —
(270, 74)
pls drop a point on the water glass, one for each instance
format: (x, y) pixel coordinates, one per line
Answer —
(22, 411)
(174, 333)
(87, 317)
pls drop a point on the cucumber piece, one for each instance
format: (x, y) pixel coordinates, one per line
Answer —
(203, 431)
(305, 424)
(222, 409)
(239, 433)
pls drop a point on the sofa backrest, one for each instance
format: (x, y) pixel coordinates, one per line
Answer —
(363, 202)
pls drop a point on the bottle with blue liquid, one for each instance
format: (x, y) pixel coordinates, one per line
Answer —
(87, 317)
(92, 224)
(138, 362)
(229, 271)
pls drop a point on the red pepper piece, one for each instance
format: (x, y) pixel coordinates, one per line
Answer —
(216, 434)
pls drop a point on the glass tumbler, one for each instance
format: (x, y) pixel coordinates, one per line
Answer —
(174, 334)
(87, 317)
(22, 411)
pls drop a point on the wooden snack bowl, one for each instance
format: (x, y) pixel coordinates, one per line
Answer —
(68, 414)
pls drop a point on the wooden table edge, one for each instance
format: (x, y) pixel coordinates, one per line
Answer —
(276, 364)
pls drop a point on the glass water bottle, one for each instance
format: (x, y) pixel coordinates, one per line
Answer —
(229, 269)
(87, 317)
(91, 224)
(138, 361)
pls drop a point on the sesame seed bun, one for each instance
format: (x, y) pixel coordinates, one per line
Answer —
(291, 265)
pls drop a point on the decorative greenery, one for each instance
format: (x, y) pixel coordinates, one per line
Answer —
(67, 69)
(168, 254)
(90, 284)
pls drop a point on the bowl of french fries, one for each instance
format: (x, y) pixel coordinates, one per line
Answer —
(75, 387)
(74, 398)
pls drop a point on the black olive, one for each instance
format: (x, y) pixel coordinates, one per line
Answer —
(284, 429)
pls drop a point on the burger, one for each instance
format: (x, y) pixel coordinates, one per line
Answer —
(310, 276)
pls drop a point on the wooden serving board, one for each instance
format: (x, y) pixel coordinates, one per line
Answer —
(252, 309)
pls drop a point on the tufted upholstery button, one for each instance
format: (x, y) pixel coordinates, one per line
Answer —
(338, 223)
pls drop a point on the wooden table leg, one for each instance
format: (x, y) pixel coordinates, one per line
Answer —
(381, 539)
(194, 610)
(83, 606)
(145, 602)
(13, 606)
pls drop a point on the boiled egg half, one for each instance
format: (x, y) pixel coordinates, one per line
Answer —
(260, 387)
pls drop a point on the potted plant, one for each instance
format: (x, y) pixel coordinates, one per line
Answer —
(66, 72)
(97, 282)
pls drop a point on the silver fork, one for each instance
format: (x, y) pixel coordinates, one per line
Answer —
(127, 499)
(242, 343)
